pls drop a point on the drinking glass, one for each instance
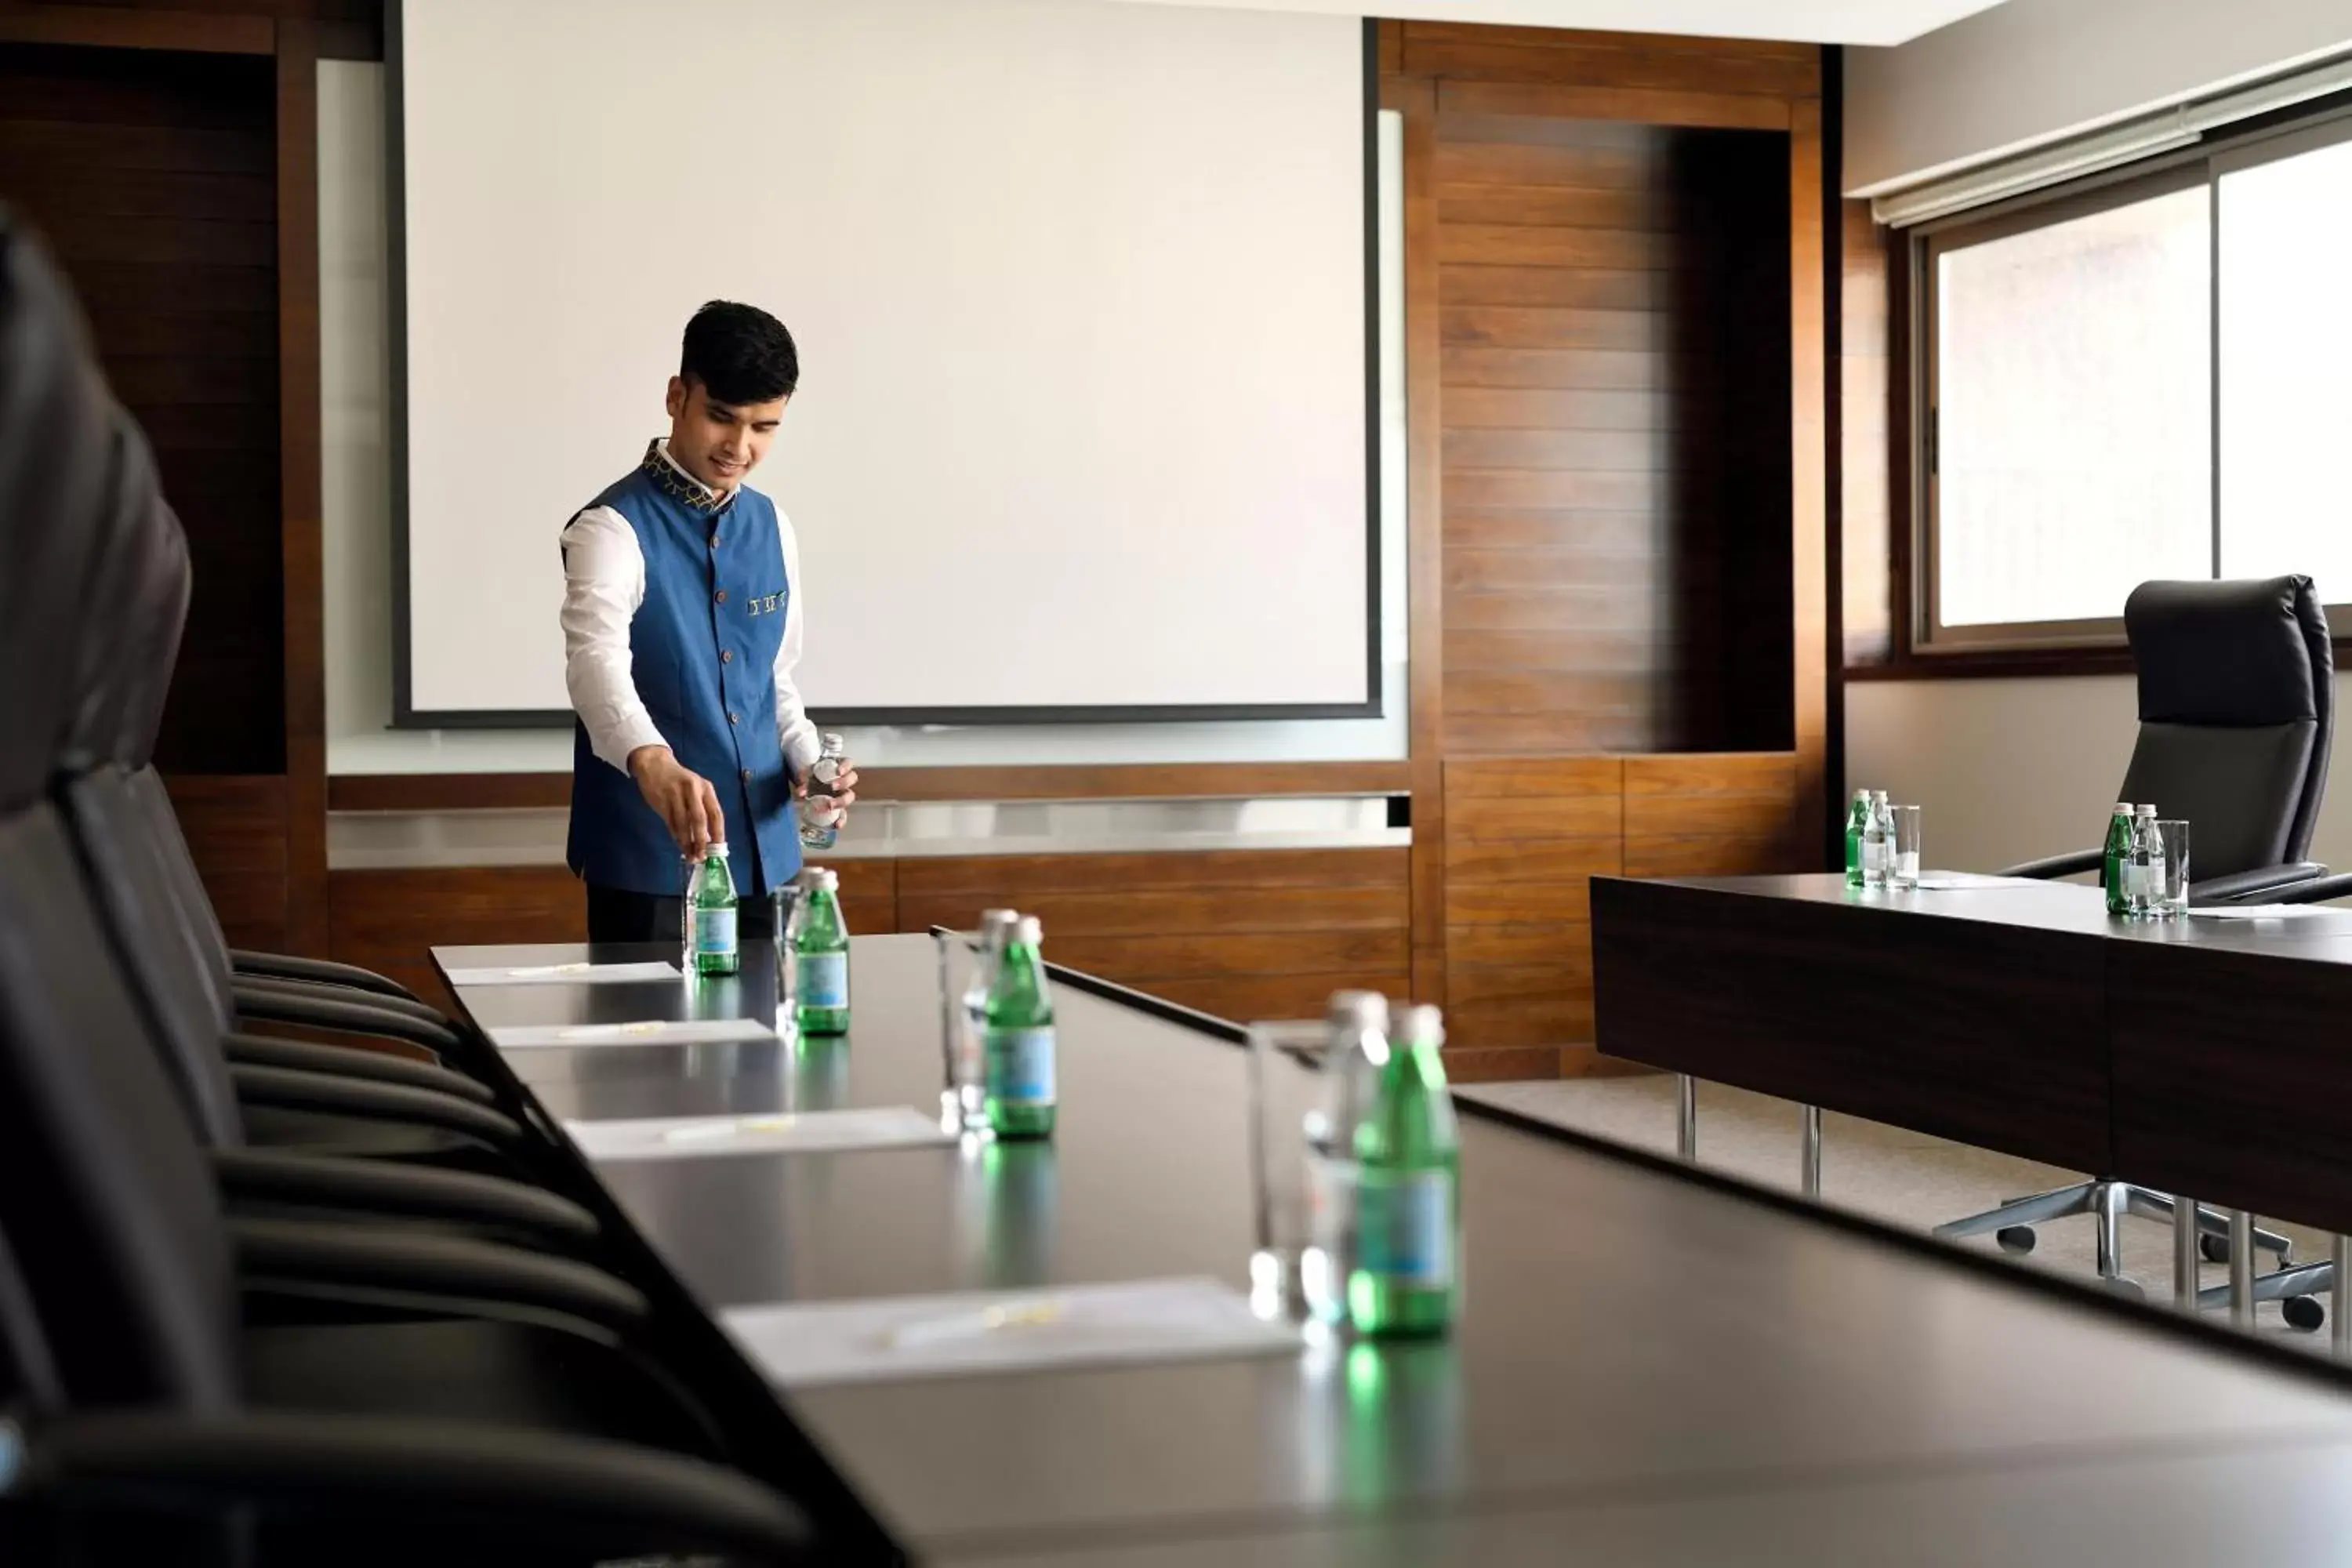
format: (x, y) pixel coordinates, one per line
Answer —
(963, 1102)
(2171, 900)
(1905, 873)
(1302, 1193)
(784, 909)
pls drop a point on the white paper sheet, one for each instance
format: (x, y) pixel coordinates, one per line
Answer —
(706, 1137)
(564, 975)
(651, 1031)
(1961, 881)
(801, 1344)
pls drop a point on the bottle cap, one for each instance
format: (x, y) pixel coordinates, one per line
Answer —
(1358, 1010)
(2145, 811)
(818, 879)
(2123, 809)
(1862, 795)
(1029, 931)
(1424, 1025)
(996, 925)
(833, 743)
(715, 849)
(1877, 795)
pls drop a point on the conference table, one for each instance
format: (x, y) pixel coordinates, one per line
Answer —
(1652, 1364)
(2203, 1055)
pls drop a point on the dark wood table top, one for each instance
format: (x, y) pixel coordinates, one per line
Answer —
(1653, 1358)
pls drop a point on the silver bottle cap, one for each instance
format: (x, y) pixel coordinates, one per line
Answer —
(1424, 1025)
(1878, 797)
(833, 744)
(717, 847)
(1029, 931)
(996, 926)
(2145, 811)
(818, 879)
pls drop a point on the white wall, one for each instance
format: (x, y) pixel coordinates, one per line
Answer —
(355, 380)
(2033, 70)
(2006, 771)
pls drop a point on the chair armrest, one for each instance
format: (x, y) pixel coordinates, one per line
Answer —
(279, 1005)
(287, 1089)
(2260, 885)
(427, 1264)
(413, 1191)
(401, 1005)
(286, 966)
(2066, 864)
(352, 1061)
(422, 1490)
(2318, 890)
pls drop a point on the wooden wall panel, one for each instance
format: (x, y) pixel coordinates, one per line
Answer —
(1525, 838)
(153, 176)
(1712, 816)
(236, 829)
(1243, 934)
(869, 894)
(388, 920)
(1615, 519)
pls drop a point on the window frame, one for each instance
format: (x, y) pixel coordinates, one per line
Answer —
(2063, 646)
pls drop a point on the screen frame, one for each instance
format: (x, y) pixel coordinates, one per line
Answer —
(406, 715)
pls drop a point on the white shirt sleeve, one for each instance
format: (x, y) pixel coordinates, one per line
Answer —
(793, 726)
(604, 584)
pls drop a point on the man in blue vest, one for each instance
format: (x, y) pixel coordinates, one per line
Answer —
(681, 631)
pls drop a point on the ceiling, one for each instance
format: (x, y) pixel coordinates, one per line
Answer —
(1805, 21)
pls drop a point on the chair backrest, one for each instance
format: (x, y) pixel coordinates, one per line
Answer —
(2237, 714)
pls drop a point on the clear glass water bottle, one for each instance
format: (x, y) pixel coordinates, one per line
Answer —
(1018, 1053)
(967, 1077)
(2144, 880)
(709, 933)
(1358, 1022)
(1878, 842)
(821, 815)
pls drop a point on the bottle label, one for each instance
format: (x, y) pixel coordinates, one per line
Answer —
(714, 930)
(824, 979)
(1405, 1229)
(1021, 1066)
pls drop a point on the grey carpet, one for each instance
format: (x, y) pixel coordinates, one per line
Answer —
(1901, 1178)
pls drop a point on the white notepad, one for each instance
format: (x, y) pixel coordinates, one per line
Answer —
(1960, 881)
(651, 1031)
(2262, 912)
(705, 1136)
(1141, 1321)
(564, 975)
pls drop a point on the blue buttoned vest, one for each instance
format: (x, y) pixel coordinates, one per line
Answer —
(702, 649)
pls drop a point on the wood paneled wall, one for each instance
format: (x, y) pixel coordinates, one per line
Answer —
(1525, 838)
(152, 176)
(236, 829)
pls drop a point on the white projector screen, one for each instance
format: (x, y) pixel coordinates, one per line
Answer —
(1081, 294)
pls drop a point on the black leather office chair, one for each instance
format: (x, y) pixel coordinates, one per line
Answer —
(2237, 709)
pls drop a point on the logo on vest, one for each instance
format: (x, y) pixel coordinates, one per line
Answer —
(766, 606)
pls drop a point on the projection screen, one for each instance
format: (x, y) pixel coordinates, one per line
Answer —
(1081, 292)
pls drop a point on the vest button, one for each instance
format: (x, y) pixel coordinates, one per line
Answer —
(714, 542)
(747, 776)
(732, 718)
(726, 655)
(722, 595)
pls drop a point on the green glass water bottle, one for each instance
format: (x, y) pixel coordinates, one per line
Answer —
(1018, 1047)
(710, 946)
(820, 956)
(1407, 1273)
(1856, 821)
(2118, 849)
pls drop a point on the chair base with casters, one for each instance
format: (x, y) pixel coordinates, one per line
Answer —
(2107, 1200)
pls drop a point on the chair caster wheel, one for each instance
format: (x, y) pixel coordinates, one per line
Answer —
(2015, 1237)
(2213, 1248)
(2129, 1289)
(2302, 1313)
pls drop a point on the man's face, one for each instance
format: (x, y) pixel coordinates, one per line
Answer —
(718, 443)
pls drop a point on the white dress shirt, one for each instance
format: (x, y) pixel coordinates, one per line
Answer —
(604, 584)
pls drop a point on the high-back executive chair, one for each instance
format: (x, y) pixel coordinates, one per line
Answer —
(2237, 714)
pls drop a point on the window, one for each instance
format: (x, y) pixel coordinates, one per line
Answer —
(2144, 380)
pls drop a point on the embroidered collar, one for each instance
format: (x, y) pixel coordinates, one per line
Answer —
(681, 486)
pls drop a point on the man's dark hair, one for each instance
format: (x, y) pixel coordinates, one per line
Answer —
(740, 353)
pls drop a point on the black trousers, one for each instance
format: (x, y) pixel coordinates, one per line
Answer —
(614, 914)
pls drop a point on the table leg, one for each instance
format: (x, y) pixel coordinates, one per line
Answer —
(2340, 1332)
(1809, 1153)
(1685, 1116)
(2242, 1268)
(2184, 1253)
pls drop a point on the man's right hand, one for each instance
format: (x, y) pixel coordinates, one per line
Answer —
(681, 797)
